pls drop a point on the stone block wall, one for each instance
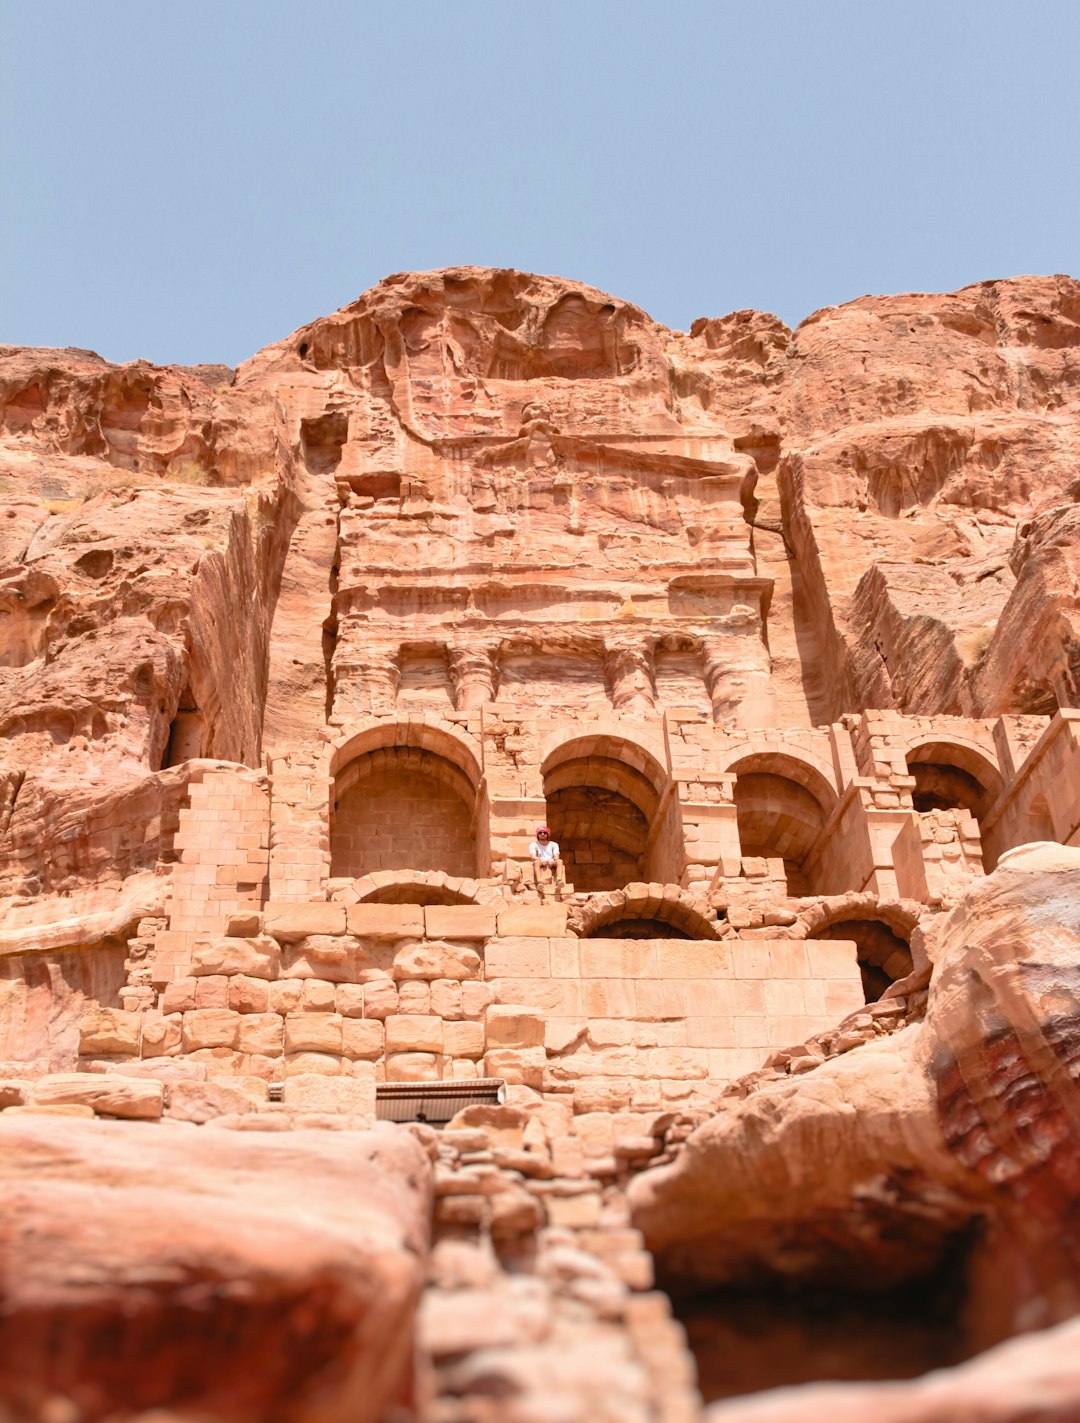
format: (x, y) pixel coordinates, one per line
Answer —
(409, 993)
(583, 996)
(223, 859)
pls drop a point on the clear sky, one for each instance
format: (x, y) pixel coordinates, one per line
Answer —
(188, 180)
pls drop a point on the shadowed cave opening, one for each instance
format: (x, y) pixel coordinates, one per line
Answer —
(186, 732)
(322, 441)
(784, 1330)
(883, 956)
(952, 778)
(637, 928)
(940, 787)
(416, 894)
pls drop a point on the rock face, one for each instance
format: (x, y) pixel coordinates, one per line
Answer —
(1029, 1380)
(776, 630)
(225, 1275)
(957, 1134)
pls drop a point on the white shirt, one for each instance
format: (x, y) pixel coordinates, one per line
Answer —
(546, 854)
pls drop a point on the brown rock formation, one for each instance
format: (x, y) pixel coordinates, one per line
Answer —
(1028, 1380)
(959, 1133)
(210, 1273)
(922, 429)
(776, 630)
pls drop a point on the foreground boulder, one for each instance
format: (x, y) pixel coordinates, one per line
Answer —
(228, 1275)
(1029, 1380)
(959, 1134)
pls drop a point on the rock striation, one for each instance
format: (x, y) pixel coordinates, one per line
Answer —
(776, 630)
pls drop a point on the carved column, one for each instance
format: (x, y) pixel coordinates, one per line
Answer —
(365, 682)
(473, 675)
(632, 676)
(736, 665)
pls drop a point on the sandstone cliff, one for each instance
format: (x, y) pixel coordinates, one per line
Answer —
(778, 630)
(905, 465)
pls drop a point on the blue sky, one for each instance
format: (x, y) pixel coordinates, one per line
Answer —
(190, 181)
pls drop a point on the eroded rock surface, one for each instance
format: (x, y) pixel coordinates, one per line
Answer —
(216, 1274)
(1028, 1380)
(872, 1169)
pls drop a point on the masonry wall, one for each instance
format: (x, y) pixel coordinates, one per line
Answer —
(405, 993)
(509, 987)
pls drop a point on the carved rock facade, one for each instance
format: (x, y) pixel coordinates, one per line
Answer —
(775, 629)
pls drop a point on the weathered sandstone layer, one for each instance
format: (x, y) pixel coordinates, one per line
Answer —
(777, 631)
(222, 1275)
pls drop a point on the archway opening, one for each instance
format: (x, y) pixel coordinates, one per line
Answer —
(638, 928)
(952, 776)
(883, 955)
(421, 894)
(645, 911)
(186, 732)
(792, 1329)
(402, 808)
(944, 788)
(601, 811)
(602, 836)
(780, 819)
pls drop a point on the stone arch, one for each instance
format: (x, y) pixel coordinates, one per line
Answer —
(408, 794)
(881, 931)
(662, 904)
(607, 798)
(953, 773)
(795, 762)
(966, 774)
(782, 804)
(421, 887)
(426, 732)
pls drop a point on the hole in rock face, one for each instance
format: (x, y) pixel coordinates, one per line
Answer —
(186, 732)
(96, 563)
(378, 484)
(744, 1341)
(321, 442)
(763, 449)
(185, 739)
(785, 1330)
(23, 408)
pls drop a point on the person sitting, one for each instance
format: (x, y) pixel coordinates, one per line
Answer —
(546, 862)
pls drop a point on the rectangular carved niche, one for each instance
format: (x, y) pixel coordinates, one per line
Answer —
(680, 680)
(424, 684)
(552, 679)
